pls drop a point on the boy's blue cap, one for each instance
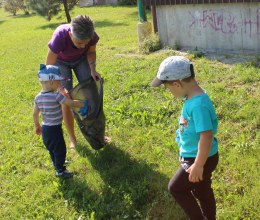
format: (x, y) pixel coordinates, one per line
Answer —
(50, 72)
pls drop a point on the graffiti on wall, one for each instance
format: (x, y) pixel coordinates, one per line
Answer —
(227, 22)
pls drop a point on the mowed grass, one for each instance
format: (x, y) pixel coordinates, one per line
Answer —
(127, 179)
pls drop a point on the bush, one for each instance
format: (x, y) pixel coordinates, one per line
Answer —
(127, 2)
(150, 44)
(13, 6)
(254, 62)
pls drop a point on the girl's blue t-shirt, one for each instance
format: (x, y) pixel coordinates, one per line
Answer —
(198, 115)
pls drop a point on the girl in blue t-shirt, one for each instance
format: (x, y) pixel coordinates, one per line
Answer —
(198, 123)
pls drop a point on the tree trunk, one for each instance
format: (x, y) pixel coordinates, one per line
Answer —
(65, 4)
(49, 16)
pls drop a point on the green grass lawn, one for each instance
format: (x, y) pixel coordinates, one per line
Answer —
(127, 179)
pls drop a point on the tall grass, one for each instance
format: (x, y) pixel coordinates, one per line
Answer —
(128, 179)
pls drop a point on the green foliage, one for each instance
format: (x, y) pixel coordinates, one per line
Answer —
(45, 8)
(50, 8)
(26, 7)
(72, 3)
(176, 47)
(127, 179)
(150, 44)
(254, 62)
(197, 54)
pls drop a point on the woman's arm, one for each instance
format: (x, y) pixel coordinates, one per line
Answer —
(73, 103)
(91, 59)
(51, 58)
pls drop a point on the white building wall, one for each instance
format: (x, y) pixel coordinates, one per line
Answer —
(111, 2)
(211, 26)
(83, 3)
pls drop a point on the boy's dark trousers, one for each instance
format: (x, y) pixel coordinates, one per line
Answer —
(54, 141)
(186, 192)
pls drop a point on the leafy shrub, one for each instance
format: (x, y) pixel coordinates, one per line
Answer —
(176, 46)
(254, 62)
(150, 44)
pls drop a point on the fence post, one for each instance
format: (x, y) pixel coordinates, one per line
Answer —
(141, 11)
(144, 28)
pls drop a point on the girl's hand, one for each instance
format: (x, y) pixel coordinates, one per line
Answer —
(196, 173)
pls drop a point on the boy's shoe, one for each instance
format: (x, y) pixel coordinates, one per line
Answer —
(64, 174)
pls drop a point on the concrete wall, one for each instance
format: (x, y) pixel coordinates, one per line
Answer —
(83, 3)
(111, 2)
(211, 26)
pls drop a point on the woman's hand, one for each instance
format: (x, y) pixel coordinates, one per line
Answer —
(95, 75)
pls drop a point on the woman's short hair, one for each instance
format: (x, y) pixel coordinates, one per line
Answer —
(82, 27)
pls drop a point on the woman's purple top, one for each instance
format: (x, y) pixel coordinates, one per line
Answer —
(62, 45)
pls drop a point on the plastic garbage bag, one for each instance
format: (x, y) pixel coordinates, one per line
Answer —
(92, 122)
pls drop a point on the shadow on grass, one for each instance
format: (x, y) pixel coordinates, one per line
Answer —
(99, 24)
(1, 22)
(79, 195)
(49, 26)
(132, 190)
(133, 14)
(107, 23)
(24, 15)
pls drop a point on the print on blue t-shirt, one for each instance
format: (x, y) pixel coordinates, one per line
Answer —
(198, 115)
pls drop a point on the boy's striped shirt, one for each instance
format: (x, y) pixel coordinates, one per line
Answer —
(49, 104)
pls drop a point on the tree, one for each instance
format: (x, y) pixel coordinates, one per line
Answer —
(50, 8)
(45, 8)
(26, 7)
(13, 5)
(68, 5)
